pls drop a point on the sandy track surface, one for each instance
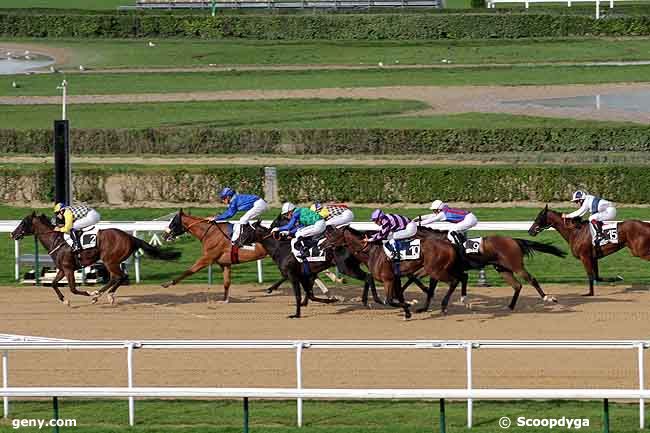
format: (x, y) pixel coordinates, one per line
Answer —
(442, 100)
(146, 312)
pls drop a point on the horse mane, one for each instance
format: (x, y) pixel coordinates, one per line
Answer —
(434, 231)
(45, 220)
(359, 233)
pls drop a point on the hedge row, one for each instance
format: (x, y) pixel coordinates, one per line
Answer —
(481, 184)
(322, 26)
(330, 141)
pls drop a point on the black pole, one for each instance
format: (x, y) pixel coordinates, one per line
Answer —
(245, 414)
(62, 169)
(605, 416)
(55, 403)
(443, 423)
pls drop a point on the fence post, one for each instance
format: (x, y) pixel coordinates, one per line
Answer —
(443, 422)
(245, 414)
(136, 261)
(605, 416)
(129, 359)
(597, 9)
(299, 346)
(641, 387)
(5, 382)
(55, 404)
(271, 185)
(469, 383)
(260, 272)
(17, 254)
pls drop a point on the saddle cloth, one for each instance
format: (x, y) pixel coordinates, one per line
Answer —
(473, 245)
(246, 233)
(88, 238)
(314, 253)
(409, 249)
(610, 234)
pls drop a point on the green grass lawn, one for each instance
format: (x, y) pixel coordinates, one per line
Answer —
(191, 53)
(547, 269)
(120, 83)
(285, 113)
(391, 416)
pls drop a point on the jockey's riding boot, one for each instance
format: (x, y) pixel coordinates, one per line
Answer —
(598, 227)
(302, 248)
(76, 240)
(396, 247)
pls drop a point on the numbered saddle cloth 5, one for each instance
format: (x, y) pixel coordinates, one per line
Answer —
(409, 249)
(610, 234)
(88, 238)
(313, 252)
(473, 246)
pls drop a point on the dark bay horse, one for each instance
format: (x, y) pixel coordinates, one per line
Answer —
(633, 234)
(217, 247)
(301, 275)
(113, 247)
(506, 254)
(438, 259)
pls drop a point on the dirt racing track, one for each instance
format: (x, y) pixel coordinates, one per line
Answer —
(150, 312)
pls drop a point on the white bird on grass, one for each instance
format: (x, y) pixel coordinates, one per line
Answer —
(151, 44)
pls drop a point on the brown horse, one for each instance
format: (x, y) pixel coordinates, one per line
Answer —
(506, 254)
(113, 247)
(633, 234)
(438, 259)
(217, 247)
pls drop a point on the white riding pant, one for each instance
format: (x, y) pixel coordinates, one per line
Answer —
(340, 220)
(91, 219)
(258, 209)
(408, 232)
(313, 230)
(462, 226)
(606, 215)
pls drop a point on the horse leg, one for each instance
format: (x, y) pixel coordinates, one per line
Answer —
(401, 301)
(72, 284)
(600, 279)
(453, 283)
(373, 290)
(430, 291)
(463, 290)
(516, 286)
(297, 293)
(55, 286)
(117, 278)
(226, 283)
(588, 263)
(309, 288)
(523, 273)
(276, 285)
(201, 263)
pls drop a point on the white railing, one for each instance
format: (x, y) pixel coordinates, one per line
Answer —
(7, 343)
(492, 3)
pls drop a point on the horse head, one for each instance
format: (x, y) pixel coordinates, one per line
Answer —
(334, 238)
(25, 228)
(541, 222)
(175, 228)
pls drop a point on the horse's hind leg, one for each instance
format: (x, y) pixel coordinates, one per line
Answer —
(276, 285)
(117, 276)
(72, 284)
(430, 291)
(523, 273)
(516, 286)
(227, 280)
(201, 263)
(453, 283)
(309, 289)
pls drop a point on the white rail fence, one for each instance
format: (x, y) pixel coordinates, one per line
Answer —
(16, 343)
(140, 227)
(492, 3)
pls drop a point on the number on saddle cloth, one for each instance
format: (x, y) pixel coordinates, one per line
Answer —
(312, 249)
(610, 234)
(409, 249)
(88, 238)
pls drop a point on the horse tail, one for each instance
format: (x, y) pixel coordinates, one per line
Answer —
(530, 247)
(155, 252)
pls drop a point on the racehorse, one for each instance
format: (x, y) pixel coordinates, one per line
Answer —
(304, 274)
(438, 259)
(217, 247)
(113, 247)
(506, 254)
(633, 234)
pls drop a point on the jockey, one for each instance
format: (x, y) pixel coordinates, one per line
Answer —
(252, 205)
(394, 228)
(304, 223)
(601, 210)
(462, 220)
(76, 218)
(335, 215)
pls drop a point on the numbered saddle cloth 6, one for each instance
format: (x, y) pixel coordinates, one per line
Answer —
(610, 234)
(473, 245)
(88, 238)
(409, 249)
(313, 253)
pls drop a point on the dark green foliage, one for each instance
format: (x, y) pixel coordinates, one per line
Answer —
(321, 26)
(205, 140)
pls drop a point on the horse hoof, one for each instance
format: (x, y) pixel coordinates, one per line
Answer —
(66, 302)
(421, 310)
(619, 278)
(269, 291)
(587, 294)
(412, 302)
(445, 311)
(94, 300)
(549, 298)
(294, 316)
(224, 301)
(338, 298)
(95, 293)
(167, 284)
(112, 299)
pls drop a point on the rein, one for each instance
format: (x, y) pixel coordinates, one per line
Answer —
(206, 230)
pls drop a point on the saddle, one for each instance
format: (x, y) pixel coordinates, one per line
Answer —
(309, 249)
(409, 249)
(87, 238)
(609, 234)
